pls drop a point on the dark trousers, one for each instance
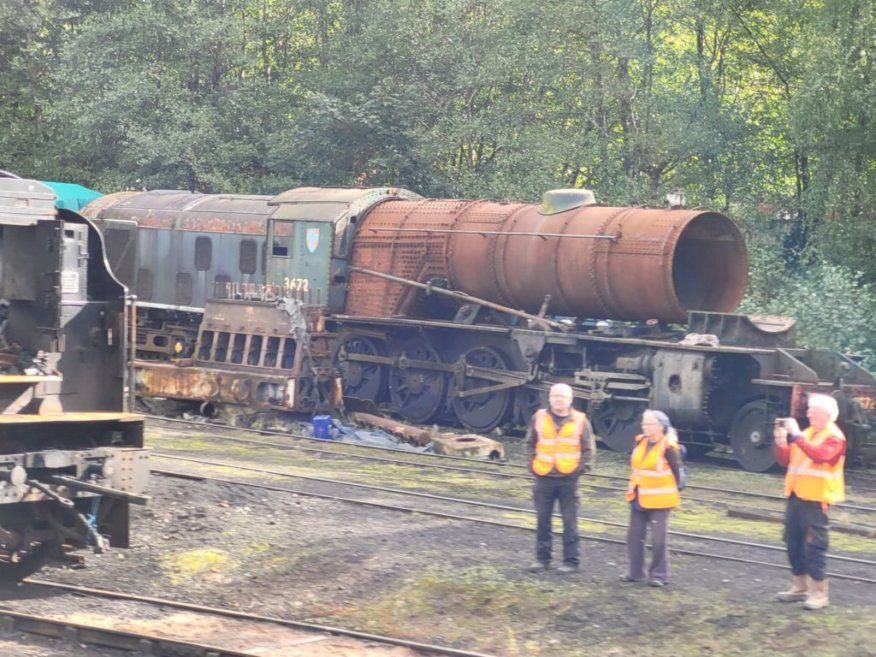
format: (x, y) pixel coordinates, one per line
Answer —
(806, 536)
(636, 534)
(545, 491)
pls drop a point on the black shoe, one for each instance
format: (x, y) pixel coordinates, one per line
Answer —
(539, 567)
(568, 568)
(657, 582)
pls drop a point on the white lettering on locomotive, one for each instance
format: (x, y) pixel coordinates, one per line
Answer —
(291, 288)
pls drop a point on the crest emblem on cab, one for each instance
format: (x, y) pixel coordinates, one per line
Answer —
(311, 239)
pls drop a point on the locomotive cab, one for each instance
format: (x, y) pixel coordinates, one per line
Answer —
(297, 258)
(310, 239)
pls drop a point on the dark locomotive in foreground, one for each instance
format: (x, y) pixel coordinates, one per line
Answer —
(464, 311)
(71, 459)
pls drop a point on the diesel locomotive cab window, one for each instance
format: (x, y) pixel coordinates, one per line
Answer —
(203, 253)
(248, 257)
(281, 236)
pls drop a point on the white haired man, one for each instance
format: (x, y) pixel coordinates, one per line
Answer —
(814, 480)
(562, 447)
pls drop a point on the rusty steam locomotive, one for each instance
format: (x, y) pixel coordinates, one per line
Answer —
(71, 457)
(464, 312)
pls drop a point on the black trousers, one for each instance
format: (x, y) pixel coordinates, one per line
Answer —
(545, 491)
(806, 537)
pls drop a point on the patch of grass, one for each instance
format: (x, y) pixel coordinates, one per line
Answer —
(494, 610)
(448, 605)
(182, 567)
(704, 519)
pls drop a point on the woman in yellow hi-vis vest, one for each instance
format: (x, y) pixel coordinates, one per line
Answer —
(814, 480)
(562, 447)
(652, 493)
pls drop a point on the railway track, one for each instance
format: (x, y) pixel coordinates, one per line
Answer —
(748, 550)
(205, 632)
(720, 496)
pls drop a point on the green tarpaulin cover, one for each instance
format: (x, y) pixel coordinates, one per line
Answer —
(71, 196)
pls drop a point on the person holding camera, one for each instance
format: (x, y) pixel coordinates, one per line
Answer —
(652, 493)
(815, 459)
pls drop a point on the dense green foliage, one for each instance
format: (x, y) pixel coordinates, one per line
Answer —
(764, 110)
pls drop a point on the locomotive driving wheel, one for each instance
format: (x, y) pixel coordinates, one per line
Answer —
(617, 423)
(485, 411)
(362, 380)
(751, 437)
(416, 392)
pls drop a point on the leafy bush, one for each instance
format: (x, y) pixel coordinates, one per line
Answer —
(833, 305)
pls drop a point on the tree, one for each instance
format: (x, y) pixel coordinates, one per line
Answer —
(834, 114)
(171, 94)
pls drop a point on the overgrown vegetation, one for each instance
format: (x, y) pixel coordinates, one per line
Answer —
(762, 110)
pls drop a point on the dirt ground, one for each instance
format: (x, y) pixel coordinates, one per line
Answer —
(446, 581)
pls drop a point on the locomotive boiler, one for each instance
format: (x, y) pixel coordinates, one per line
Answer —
(71, 458)
(464, 312)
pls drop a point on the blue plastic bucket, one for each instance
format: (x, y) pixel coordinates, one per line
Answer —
(322, 427)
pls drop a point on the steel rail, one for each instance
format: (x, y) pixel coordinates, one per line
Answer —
(138, 642)
(486, 521)
(453, 468)
(240, 615)
(488, 505)
(726, 491)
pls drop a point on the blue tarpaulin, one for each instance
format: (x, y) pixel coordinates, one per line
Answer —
(71, 196)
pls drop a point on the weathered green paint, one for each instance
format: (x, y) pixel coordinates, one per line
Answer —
(298, 256)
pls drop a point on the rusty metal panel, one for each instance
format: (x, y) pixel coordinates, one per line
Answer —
(94, 208)
(207, 384)
(266, 318)
(414, 253)
(180, 210)
(635, 263)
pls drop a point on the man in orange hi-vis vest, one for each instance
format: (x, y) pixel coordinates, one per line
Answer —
(561, 448)
(815, 459)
